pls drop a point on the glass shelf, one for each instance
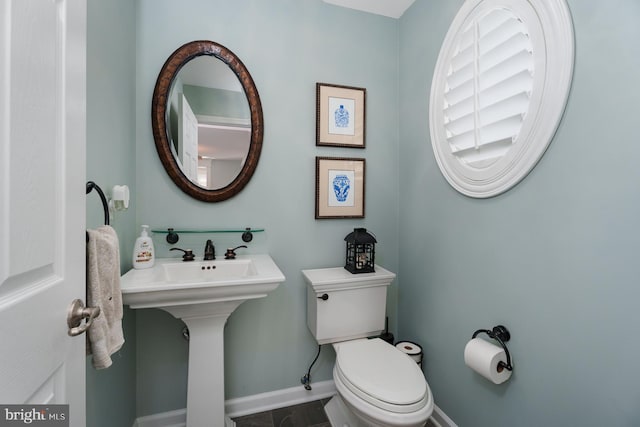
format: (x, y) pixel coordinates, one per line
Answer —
(173, 234)
(208, 230)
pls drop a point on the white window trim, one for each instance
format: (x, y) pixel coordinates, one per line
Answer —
(552, 41)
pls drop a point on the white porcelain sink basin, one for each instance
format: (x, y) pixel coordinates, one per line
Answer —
(207, 271)
(203, 294)
(173, 282)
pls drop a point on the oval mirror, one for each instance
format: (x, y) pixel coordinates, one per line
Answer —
(207, 121)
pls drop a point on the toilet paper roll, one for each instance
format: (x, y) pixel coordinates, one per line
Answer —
(483, 357)
(412, 349)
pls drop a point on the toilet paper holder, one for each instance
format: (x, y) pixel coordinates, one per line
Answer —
(502, 335)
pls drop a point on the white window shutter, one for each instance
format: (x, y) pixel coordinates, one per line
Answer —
(499, 90)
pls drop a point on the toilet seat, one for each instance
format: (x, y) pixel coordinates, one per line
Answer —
(381, 375)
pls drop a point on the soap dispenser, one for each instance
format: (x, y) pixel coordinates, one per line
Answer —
(143, 252)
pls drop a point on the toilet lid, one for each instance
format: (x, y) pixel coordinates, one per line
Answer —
(381, 371)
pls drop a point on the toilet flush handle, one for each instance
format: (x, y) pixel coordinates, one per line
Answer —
(324, 297)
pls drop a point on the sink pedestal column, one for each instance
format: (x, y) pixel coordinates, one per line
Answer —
(205, 386)
(202, 294)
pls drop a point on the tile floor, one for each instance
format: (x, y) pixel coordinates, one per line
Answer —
(304, 415)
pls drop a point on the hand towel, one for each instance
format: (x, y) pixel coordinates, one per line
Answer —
(105, 335)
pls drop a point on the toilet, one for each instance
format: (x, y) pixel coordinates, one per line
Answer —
(378, 385)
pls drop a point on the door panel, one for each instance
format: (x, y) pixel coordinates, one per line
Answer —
(42, 206)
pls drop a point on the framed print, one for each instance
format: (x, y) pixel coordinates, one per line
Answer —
(340, 115)
(339, 187)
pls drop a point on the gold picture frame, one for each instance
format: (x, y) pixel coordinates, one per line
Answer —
(340, 115)
(340, 187)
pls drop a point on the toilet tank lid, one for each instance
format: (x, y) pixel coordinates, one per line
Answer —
(381, 371)
(327, 279)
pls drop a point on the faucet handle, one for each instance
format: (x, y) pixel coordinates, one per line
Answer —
(231, 252)
(188, 254)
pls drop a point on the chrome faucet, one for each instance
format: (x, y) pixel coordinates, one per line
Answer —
(209, 251)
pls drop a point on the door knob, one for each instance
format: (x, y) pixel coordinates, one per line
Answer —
(76, 313)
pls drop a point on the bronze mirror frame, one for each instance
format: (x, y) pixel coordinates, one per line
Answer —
(167, 75)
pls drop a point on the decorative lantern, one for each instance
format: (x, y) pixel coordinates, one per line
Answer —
(361, 251)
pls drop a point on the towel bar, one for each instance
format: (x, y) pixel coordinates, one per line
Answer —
(93, 186)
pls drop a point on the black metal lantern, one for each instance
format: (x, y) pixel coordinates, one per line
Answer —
(361, 251)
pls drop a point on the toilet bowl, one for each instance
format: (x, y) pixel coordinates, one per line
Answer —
(378, 385)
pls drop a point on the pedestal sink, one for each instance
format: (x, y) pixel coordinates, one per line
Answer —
(203, 294)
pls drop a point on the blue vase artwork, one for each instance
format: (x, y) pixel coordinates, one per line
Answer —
(341, 116)
(341, 187)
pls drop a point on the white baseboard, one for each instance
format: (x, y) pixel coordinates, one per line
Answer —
(440, 419)
(177, 418)
(279, 399)
(261, 402)
(247, 405)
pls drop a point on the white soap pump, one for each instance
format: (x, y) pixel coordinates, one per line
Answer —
(143, 252)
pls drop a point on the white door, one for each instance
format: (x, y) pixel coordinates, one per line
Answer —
(189, 139)
(42, 201)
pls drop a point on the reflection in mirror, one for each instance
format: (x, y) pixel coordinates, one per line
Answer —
(207, 121)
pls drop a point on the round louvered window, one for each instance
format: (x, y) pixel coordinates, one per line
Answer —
(499, 90)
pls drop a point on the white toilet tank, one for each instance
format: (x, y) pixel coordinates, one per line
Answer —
(342, 306)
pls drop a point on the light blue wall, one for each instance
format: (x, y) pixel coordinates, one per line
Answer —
(288, 46)
(554, 259)
(111, 161)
